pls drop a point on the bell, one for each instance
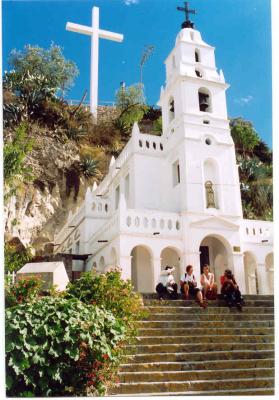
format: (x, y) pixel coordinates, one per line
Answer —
(204, 105)
(172, 106)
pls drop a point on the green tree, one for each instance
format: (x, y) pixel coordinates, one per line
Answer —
(130, 102)
(244, 135)
(57, 72)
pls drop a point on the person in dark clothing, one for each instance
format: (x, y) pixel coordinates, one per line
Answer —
(230, 290)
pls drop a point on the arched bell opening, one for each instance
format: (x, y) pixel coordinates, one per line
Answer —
(205, 102)
(171, 109)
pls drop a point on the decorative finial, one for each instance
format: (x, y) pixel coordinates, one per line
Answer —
(187, 23)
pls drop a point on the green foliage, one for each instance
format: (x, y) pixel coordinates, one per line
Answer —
(61, 347)
(158, 125)
(255, 170)
(256, 188)
(15, 152)
(130, 102)
(111, 292)
(15, 258)
(57, 73)
(89, 166)
(244, 135)
(25, 290)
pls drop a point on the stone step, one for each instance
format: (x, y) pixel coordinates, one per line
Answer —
(200, 356)
(205, 331)
(208, 317)
(196, 375)
(230, 392)
(196, 347)
(211, 303)
(209, 310)
(206, 324)
(219, 296)
(142, 340)
(200, 385)
(198, 365)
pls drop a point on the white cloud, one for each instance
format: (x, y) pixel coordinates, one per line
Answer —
(243, 101)
(130, 2)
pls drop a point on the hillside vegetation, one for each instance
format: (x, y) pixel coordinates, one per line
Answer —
(53, 151)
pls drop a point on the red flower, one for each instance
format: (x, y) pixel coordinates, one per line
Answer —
(105, 356)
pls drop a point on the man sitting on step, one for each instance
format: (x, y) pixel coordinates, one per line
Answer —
(167, 288)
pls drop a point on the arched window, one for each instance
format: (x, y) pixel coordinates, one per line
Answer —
(197, 56)
(205, 100)
(171, 109)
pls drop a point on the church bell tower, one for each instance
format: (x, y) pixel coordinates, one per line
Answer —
(196, 127)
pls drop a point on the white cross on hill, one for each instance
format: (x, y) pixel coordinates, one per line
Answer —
(95, 34)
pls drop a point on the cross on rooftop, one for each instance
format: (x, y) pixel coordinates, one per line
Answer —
(187, 23)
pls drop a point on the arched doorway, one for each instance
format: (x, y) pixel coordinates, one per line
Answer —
(216, 252)
(269, 266)
(251, 279)
(141, 269)
(94, 266)
(171, 257)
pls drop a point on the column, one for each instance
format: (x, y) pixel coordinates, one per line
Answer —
(239, 272)
(262, 279)
(156, 271)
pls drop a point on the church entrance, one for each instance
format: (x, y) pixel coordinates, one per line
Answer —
(142, 269)
(215, 252)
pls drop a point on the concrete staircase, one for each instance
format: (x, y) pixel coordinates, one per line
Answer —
(185, 350)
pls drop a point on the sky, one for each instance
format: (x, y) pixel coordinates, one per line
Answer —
(240, 31)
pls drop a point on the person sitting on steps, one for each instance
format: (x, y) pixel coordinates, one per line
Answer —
(209, 287)
(189, 285)
(167, 288)
(230, 290)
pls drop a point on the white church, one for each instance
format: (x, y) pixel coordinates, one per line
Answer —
(175, 199)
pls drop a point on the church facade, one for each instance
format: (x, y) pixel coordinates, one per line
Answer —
(175, 199)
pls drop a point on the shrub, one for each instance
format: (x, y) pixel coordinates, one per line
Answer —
(15, 152)
(60, 347)
(16, 257)
(89, 166)
(111, 292)
(25, 290)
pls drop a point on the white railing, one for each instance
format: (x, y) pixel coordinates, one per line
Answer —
(257, 231)
(148, 221)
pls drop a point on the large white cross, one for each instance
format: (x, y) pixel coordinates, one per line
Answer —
(95, 34)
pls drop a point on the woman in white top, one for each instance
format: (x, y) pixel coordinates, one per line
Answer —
(189, 285)
(209, 287)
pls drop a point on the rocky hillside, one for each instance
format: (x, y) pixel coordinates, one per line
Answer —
(41, 206)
